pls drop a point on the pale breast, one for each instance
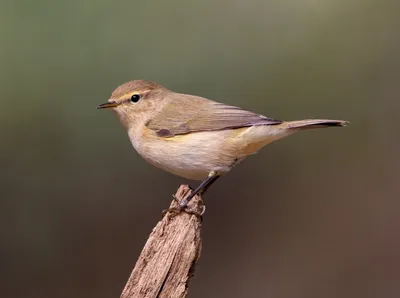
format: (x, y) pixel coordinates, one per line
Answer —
(192, 156)
(195, 155)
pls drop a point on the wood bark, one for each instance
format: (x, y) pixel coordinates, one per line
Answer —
(169, 257)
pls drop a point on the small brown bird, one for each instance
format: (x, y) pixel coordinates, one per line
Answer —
(194, 137)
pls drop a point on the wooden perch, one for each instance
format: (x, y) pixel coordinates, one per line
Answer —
(168, 259)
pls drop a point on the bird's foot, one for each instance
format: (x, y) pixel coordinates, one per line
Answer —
(173, 211)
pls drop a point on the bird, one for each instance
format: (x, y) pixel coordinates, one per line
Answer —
(194, 137)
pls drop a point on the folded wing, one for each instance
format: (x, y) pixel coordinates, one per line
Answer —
(194, 114)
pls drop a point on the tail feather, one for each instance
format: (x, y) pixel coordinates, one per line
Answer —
(314, 123)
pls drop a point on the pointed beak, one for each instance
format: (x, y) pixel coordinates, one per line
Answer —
(110, 104)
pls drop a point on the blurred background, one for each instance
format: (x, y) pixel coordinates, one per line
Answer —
(313, 215)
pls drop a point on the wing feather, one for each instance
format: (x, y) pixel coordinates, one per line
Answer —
(193, 114)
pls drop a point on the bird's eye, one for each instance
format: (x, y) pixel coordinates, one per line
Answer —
(135, 98)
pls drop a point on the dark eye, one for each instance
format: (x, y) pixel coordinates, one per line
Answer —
(135, 98)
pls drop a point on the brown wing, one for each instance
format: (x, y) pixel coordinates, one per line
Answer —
(189, 113)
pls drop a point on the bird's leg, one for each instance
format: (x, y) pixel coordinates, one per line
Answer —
(205, 188)
(201, 189)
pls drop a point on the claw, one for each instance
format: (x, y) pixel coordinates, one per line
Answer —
(203, 210)
(174, 211)
(176, 199)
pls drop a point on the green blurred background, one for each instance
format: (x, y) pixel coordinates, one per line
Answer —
(313, 215)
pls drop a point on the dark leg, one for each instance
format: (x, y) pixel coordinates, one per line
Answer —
(201, 189)
(208, 185)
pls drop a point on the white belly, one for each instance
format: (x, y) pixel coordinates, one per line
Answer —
(191, 156)
(195, 155)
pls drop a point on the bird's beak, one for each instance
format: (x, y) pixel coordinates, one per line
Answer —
(110, 104)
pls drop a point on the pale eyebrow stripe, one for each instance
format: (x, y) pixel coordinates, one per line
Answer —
(128, 95)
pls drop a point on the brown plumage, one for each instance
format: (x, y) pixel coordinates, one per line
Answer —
(138, 85)
(194, 137)
(193, 114)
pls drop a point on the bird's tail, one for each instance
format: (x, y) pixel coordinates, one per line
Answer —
(259, 136)
(313, 123)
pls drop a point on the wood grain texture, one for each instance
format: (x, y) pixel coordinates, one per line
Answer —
(168, 259)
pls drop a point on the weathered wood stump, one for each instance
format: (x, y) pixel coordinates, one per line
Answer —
(169, 257)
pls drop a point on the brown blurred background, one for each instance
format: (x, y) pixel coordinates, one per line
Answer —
(313, 215)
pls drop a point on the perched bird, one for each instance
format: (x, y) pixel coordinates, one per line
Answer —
(194, 137)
